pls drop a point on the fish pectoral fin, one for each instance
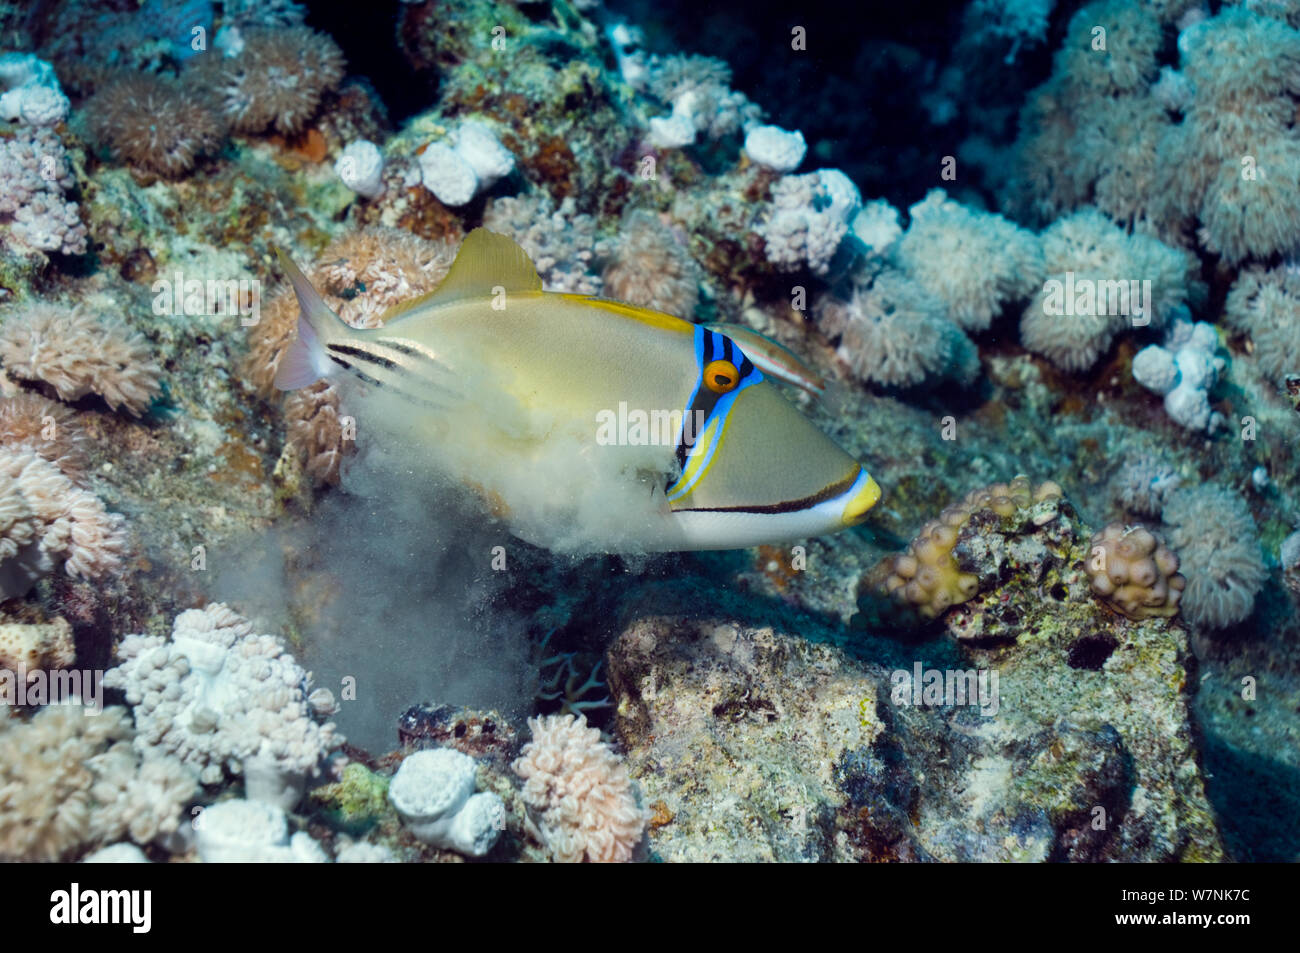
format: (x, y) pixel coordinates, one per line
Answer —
(487, 264)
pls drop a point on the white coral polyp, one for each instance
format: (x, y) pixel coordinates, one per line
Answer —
(220, 697)
(360, 166)
(580, 799)
(479, 146)
(775, 147)
(447, 175)
(433, 791)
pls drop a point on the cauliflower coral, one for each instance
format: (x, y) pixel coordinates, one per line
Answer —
(580, 799)
(217, 696)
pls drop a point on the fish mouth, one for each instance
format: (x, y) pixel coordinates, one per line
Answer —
(862, 496)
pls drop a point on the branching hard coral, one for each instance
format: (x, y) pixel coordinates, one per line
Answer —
(69, 781)
(1266, 305)
(31, 422)
(34, 176)
(276, 80)
(927, 579)
(1134, 573)
(1097, 287)
(78, 354)
(47, 520)
(1215, 537)
(892, 333)
(652, 267)
(158, 124)
(360, 276)
(973, 263)
(221, 698)
(564, 245)
(580, 800)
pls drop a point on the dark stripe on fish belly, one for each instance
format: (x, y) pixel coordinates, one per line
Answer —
(790, 506)
(361, 355)
(375, 382)
(348, 367)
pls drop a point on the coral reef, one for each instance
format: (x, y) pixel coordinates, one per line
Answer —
(47, 521)
(1099, 282)
(564, 244)
(928, 578)
(892, 333)
(651, 267)
(275, 79)
(1036, 676)
(123, 118)
(1184, 371)
(36, 645)
(974, 264)
(1266, 305)
(244, 832)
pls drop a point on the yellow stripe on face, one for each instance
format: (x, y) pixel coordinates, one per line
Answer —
(655, 319)
(700, 458)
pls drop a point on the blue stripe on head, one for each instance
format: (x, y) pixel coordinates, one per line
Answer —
(709, 346)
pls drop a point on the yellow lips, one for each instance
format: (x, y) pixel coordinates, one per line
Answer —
(863, 499)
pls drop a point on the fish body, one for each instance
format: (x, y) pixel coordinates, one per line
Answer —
(591, 425)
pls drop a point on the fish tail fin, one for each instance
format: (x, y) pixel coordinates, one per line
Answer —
(306, 361)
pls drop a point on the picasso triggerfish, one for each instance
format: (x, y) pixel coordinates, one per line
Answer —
(586, 424)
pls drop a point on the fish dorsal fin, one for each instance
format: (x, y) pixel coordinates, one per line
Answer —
(486, 261)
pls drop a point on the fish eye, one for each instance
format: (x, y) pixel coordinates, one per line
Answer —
(721, 377)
